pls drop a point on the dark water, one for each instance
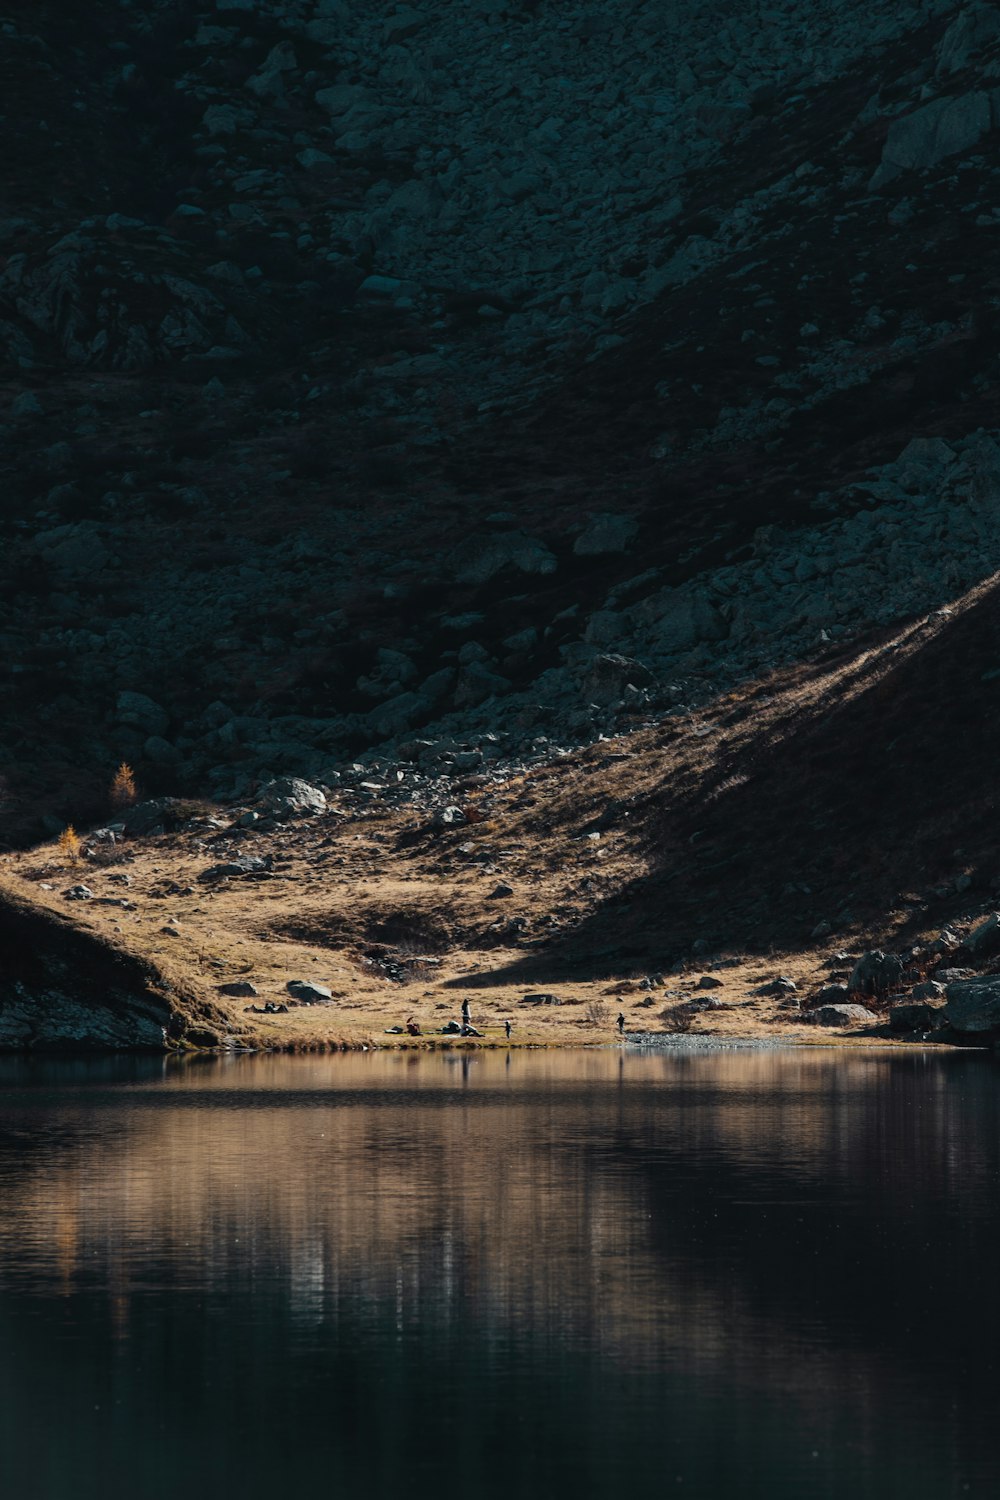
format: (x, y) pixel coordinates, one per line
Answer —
(727, 1275)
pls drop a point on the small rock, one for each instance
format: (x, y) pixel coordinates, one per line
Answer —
(240, 987)
(539, 997)
(449, 817)
(709, 982)
(499, 892)
(79, 893)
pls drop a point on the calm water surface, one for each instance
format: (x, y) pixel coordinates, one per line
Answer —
(722, 1275)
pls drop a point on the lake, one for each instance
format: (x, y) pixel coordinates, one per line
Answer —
(721, 1274)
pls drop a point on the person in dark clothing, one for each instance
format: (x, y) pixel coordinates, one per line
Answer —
(466, 1017)
(506, 1027)
(621, 1023)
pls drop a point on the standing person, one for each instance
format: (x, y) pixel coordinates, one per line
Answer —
(621, 1023)
(506, 1027)
(466, 1017)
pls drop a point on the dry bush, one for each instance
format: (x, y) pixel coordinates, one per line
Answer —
(597, 1012)
(123, 791)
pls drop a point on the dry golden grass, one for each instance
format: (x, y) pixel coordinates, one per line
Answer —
(712, 840)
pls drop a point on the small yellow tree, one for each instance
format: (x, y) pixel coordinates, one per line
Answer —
(123, 792)
(70, 844)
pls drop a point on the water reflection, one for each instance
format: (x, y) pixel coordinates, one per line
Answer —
(562, 1273)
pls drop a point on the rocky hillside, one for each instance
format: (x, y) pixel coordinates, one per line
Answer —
(390, 393)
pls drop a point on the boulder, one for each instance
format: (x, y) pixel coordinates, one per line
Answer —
(779, 986)
(609, 676)
(984, 941)
(972, 30)
(939, 129)
(606, 534)
(832, 994)
(308, 992)
(875, 974)
(974, 1005)
(916, 1015)
(842, 1015)
(76, 551)
(480, 558)
(679, 619)
(245, 865)
(289, 797)
(154, 816)
(140, 712)
(476, 683)
(398, 714)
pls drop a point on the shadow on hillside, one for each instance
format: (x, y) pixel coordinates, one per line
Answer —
(866, 802)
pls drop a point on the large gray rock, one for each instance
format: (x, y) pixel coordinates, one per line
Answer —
(480, 558)
(609, 676)
(75, 551)
(984, 941)
(289, 797)
(606, 534)
(476, 683)
(398, 714)
(942, 128)
(972, 30)
(974, 1005)
(678, 619)
(309, 992)
(917, 1015)
(140, 712)
(842, 1015)
(875, 974)
(245, 866)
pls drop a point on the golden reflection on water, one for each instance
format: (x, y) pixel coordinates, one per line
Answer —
(517, 1188)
